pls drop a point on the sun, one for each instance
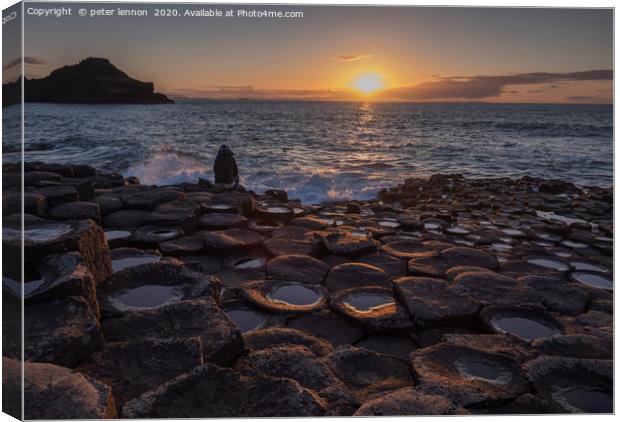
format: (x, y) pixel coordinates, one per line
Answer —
(369, 83)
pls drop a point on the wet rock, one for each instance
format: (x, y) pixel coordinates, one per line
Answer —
(148, 237)
(299, 268)
(130, 257)
(245, 317)
(62, 331)
(242, 203)
(350, 246)
(184, 245)
(436, 266)
(58, 276)
(595, 319)
(219, 220)
(352, 275)
(580, 346)
(504, 344)
(490, 288)
(237, 279)
(281, 296)
(268, 337)
(528, 322)
(55, 195)
(32, 177)
(593, 280)
(282, 246)
(393, 267)
(33, 203)
(373, 308)
(108, 204)
(454, 272)
(134, 367)
(408, 249)
(409, 402)
(184, 219)
(264, 226)
(368, 374)
(233, 239)
(45, 237)
(206, 264)
(221, 339)
(54, 392)
(300, 364)
(149, 199)
(328, 325)
(399, 346)
(434, 301)
(468, 376)
(183, 207)
(274, 211)
(153, 285)
(557, 295)
(117, 238)
(211, 391)
(310, 222)
(579, 385)
(125, 219)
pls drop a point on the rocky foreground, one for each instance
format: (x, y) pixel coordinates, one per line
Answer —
(443, 296)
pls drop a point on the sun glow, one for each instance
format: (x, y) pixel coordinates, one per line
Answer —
(368, 83)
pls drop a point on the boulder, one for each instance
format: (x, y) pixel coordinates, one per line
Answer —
(134, 367)
(63, 331)
(221, 339)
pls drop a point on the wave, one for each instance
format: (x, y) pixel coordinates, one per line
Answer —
(165, 167)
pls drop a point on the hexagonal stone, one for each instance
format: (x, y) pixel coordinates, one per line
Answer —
(436, 266)
(45, 237)
(468, 376)
(57, 276)
(528, 322)
(54, 392)
(399, 346)
(353, 274)
(368, 374)
(273, 336)
(300, 268)
(232, 239)
(285, 297)
(32, 177)
(130, 257)
(108, 203)
(184, 245)
(393, 267)
(132, 368)
(310, 222)
(298, 363)
(221, 339)
(243, 203)
(582, 346)
(433, 301)
(33, 203)
(351, 246)
(373, 308)
(409, 402)
(491, 288)
(152, 285)
(149, 199)
(62, 331)
(125, 219)
(408, 249)
(55, 195)
(557, 295)
(210, 391)
(579, 385)
(220, 220)
(282, 246)
(328, 325)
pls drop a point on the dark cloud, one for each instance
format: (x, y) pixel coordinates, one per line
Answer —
(478, 87)
(535, 91)
(353, 58)
(27, 60)
(580, 97)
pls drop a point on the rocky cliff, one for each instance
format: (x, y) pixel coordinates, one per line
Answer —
(93, 80)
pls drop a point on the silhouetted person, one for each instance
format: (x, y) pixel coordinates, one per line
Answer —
(225, 169)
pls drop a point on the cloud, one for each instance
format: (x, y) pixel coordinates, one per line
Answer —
(478, 87)
(344, 59)
(580, 97)
(27, 60)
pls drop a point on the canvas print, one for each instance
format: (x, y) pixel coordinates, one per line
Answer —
(229, 210)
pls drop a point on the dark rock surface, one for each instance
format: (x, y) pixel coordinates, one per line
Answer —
(210, 391)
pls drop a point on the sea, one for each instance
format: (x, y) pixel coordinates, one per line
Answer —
(321, 151)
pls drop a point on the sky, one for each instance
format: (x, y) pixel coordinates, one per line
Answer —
(343, 52)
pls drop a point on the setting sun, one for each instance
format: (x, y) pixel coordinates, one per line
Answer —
(369, 83)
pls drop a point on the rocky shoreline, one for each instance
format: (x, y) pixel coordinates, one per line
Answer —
(442, 296)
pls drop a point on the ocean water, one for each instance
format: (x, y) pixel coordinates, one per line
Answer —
(321, 151)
